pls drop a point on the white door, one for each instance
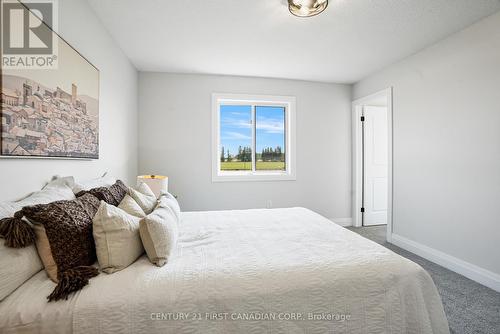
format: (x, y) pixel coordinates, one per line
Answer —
(375, 165)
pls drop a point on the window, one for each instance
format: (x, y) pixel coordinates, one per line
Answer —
(253, 138)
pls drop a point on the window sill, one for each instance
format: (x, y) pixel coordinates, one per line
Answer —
(252, 177)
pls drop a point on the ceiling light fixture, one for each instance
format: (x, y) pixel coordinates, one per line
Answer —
(307, 8)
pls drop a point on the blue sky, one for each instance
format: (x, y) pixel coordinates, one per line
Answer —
(236, 127)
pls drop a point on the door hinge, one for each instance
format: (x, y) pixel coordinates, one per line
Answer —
(362, 209)
(362, 118)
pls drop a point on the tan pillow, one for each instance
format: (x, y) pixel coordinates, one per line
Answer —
(130, 206)
(159, 232)
(144, 197)
(43, 248)
(117, 240)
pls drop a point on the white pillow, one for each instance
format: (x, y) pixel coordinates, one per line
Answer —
(56, 190)
(58, 181)
(144, 196)
(171, 201)
(103, 181)
(130, 206)
(117, 240)
(159, 232)
(20, 264)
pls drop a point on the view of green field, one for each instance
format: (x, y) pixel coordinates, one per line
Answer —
(236, 137)
(270, 165)
(261, 165)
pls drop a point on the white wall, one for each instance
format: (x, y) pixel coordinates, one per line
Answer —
(175, 140)
(118, 110)
(447, 144)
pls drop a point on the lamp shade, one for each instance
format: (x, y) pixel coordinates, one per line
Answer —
(157, 183)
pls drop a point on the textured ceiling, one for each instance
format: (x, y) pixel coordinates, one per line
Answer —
(350, 40)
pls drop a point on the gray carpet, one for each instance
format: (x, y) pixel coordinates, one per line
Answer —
(469, 306)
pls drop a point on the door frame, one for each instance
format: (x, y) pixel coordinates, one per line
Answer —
(357, 168)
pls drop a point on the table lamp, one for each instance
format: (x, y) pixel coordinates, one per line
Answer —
(157, 183)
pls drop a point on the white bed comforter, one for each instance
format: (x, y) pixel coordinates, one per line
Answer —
(253, 263)
(264, 271)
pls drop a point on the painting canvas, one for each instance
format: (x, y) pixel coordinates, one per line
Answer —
(51, 112)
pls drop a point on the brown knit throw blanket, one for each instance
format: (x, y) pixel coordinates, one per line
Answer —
(16, 232)
(68, 226)
(113, 194)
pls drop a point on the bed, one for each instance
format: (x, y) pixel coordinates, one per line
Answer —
(245, 271)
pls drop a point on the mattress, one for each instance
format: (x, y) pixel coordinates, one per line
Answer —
(247, 271)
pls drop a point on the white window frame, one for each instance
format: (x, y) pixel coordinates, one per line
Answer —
(289, 103)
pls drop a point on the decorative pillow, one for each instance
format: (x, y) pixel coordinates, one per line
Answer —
(17, 264)
(44, 252)
(159, 232)
(144, 197)
(59, 181)
(65, 242)
(57, 189)
(117, 240)
(112, 195)
(171, 201)
(103, 181)
(130, 206)
(21, 263)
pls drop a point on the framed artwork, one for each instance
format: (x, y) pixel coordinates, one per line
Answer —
(51, 112)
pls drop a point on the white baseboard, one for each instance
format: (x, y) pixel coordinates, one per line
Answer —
(469, 270)
(345, 222)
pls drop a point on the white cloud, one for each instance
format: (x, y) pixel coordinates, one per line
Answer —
(237, 123)
(270, 125)
(230, 135)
